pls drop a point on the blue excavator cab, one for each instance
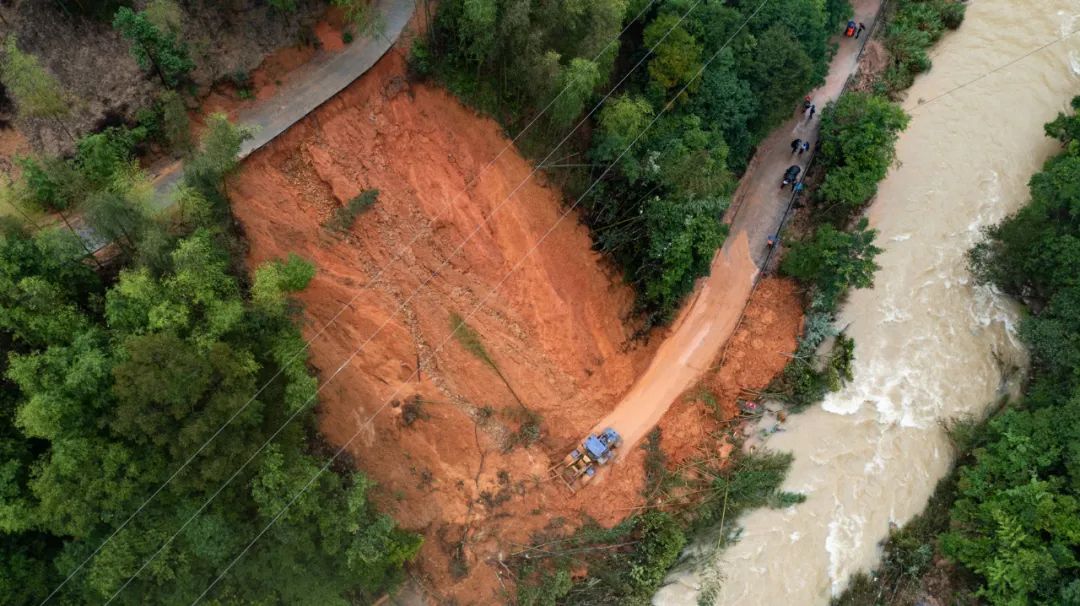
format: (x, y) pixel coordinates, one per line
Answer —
(579, 466)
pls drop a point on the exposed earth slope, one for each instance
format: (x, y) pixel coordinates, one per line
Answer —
(556, 329)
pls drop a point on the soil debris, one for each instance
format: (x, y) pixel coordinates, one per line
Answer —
(557, 355)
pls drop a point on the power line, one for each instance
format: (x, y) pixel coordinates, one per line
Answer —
(414, 293)
(924, 103)
(397, 256)
(344, 446)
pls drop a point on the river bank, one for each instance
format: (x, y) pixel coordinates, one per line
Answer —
(929, 345)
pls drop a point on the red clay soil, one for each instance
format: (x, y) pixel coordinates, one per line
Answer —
(556, 328)
(12, 144)
(759, 349)
(872, 64)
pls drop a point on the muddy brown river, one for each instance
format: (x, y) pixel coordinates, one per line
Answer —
(930, 345)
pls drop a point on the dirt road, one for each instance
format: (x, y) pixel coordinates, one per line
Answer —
(706, 323)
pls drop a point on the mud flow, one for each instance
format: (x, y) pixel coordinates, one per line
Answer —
(553, 345)
(453, 451)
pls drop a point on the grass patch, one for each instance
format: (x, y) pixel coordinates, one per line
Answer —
(344, 216)
(470, 339)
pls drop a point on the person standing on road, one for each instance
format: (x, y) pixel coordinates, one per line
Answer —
(796, 145)
(805, 146)
(860, 30)
(810, 112)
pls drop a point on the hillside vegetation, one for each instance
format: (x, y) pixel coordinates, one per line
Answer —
(111, 382)
(668, 138)
(112, 60)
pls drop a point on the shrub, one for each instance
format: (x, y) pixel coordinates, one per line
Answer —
(344, 216)
(660, 539)
(49, 184)
(832, 261)
(548, 590)
(800, 384)
(420, 60)
(913, 27)
(858, 144)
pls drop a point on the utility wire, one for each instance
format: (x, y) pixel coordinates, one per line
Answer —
(414, 293)
(301, 350)
(925, 102)
(479, 305)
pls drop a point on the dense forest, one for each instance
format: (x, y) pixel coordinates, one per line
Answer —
(671, 108)
(1016, 519)
(112, 381)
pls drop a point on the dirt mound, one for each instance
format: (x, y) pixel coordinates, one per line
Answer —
(872, 64)
(701, 422)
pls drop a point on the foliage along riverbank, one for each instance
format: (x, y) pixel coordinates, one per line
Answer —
(112, 379)
(830, 246)
(1008, 522)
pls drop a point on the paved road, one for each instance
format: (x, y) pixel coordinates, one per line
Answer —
(710, 317)
(306, 88)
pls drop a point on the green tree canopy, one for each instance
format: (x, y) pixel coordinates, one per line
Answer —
(858, 145)
(36, 92)
(779, 73)
(834, 261)
(152, 46)
(576, 84)
(107, 386)
(676, 55)
(683, 236)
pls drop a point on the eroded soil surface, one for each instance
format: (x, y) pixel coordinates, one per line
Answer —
(441, 241)
(554, 329)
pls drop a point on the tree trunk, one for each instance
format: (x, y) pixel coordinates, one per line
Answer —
(157, 68)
